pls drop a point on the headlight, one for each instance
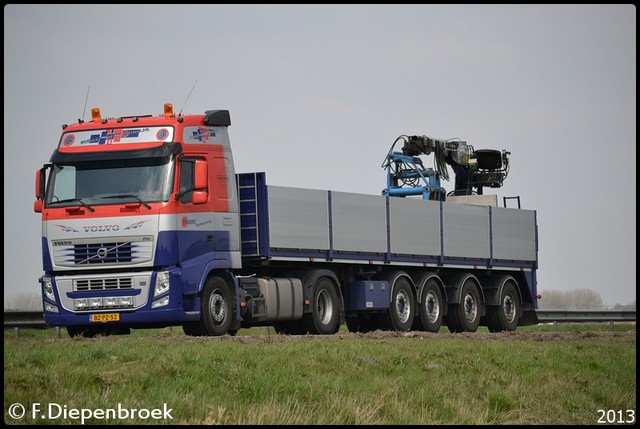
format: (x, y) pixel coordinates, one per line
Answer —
(94, 302)
(162, 283)
(106, 302)
(110, 301)
(50, 308)
(160, 302)
(80, 304)
(124, 301)
(47, 287)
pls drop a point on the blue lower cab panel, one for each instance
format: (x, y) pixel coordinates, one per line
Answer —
(139, 317)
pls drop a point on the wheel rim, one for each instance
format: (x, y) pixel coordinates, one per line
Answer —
(470, 307)
(509, 308)
(217, 307)
(403, 307)
(432, 307)
(324, 307)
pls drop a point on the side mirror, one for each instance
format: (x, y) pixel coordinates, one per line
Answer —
(40, 182)
(41, 179)
(201, 176)
(199, 197)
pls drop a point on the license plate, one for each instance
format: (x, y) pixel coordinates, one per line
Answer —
(105, 317)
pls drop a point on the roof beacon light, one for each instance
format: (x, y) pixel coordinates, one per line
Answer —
(168, 110)
(95, 115)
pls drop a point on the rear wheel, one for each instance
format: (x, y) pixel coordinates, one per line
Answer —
(505, 316)
(465, 315)
(431, 307)
(402, 307)
(324, 318)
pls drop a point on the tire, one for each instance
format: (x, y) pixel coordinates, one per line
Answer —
(402, 308)
(465, 315)
(431, 307)
(324, 318)
(217, 308)
(505, 316)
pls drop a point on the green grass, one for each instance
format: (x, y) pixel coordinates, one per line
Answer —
(526, 377)
(264, 330)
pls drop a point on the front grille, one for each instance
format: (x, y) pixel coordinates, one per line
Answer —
(102, 253)
(129, 250)
(103, 284)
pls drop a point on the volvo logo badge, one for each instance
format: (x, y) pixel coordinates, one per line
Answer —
(102, 253)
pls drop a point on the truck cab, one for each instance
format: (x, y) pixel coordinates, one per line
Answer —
(131, 206)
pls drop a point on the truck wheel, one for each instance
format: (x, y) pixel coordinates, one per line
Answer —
(505, 316)
(324, 318)
(431, 307)
(402, 307)
(217, 307)
(465, 315)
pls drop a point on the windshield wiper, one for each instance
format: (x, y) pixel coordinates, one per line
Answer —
(69, 200)
(129, 196)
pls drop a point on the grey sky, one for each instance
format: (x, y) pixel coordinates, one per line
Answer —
(318, 93)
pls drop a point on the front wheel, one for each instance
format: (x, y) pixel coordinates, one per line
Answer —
(216, 310)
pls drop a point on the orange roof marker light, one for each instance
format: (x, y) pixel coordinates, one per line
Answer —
(95, 115)
(168, 110)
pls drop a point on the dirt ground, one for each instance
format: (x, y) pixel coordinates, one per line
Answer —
(269, 336)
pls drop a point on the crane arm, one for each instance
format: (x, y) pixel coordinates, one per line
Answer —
(473, 169)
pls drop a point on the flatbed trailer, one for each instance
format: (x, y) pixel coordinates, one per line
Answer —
(284, 229)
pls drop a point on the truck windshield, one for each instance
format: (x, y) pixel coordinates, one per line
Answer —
(91, 183)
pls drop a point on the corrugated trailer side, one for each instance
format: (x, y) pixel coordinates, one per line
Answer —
(284, 222)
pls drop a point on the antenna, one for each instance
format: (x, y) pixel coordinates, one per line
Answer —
(85, 102)
(185, 101)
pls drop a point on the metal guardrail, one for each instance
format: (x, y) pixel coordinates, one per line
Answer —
(31, 319)
(586, 315)
(28, 319)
